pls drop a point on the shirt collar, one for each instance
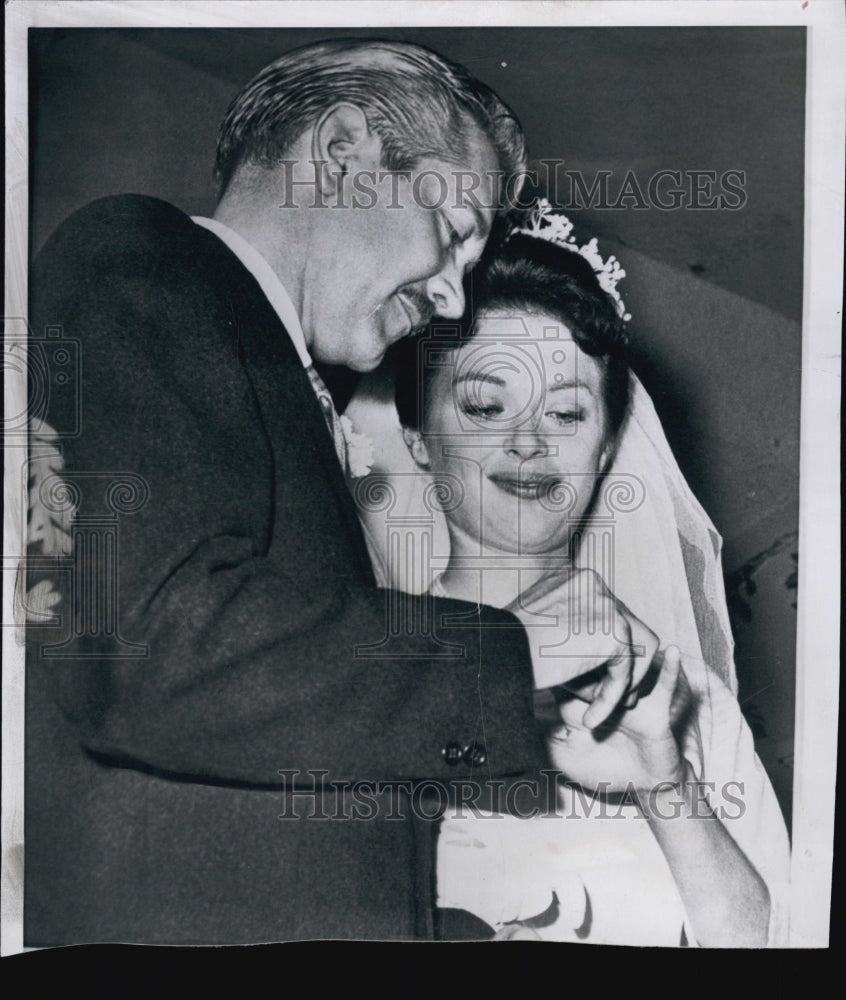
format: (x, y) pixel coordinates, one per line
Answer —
(267, 279)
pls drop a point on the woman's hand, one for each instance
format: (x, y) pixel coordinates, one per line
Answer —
(634, 749)
(577, 627)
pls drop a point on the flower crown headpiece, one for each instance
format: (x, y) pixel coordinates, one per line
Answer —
(544, 224)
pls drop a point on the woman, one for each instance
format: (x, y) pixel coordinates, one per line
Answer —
(527, 417)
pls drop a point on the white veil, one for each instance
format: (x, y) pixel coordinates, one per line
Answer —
(658, 552)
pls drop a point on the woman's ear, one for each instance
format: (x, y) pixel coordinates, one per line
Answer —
(417, 446)
(342, 142)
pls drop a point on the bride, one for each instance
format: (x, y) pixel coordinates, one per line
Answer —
(550, 460)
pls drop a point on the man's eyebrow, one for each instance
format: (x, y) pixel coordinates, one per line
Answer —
(479, 377)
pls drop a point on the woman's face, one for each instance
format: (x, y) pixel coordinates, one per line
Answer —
(517, 416)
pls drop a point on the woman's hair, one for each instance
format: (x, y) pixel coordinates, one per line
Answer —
(531, 276)
(418, 103)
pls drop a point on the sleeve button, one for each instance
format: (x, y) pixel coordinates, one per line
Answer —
(451, 754)
(475, 754)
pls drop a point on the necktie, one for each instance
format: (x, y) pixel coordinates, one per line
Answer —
(330, 415)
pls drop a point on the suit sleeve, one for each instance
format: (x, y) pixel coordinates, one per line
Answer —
(252, 660)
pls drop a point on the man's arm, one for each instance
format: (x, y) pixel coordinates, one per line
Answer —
(232, 574)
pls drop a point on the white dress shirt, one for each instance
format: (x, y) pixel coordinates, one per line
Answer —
(268, 280)
(277, 295)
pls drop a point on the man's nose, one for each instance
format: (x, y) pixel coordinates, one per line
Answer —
(446, 292)
(526, 444)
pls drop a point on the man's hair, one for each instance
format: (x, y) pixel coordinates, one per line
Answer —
(530, 276)
(418, 103)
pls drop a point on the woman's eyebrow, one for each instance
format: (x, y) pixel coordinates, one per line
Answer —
(572, 383)
(478, 377)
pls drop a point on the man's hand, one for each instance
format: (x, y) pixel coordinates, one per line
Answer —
(576, 627)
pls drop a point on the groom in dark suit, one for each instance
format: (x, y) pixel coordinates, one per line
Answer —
(226, 742)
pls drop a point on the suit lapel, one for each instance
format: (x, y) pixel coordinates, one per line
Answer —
(303, 448)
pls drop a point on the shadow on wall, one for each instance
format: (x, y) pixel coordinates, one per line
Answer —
(724, 374)
(762, 599)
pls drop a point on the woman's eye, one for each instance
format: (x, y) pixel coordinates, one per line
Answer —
(566, 416)
(480, 411)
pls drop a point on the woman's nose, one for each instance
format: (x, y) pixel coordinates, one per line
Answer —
(526, 444)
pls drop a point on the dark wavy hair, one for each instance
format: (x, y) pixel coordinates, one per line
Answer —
(527, 275)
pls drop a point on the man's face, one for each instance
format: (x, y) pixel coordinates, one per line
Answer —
(395, 256)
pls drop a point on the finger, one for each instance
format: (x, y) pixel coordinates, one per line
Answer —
(647, 640)
(585, 686)
(668, 678)
(682, 698)
(571, 713)
(610, 695)
(617, 682)
(611, 692)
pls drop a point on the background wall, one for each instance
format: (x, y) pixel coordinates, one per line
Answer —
(716, 295)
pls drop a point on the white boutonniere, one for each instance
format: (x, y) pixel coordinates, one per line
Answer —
(360, 453)
(48, 527)
(50, 515)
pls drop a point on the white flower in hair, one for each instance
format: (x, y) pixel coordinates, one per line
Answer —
(544, 224)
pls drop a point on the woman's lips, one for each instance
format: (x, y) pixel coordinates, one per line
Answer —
(525, 487)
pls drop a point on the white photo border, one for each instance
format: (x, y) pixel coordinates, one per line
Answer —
(819, 527)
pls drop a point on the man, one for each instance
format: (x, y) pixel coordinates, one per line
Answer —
(228, 744)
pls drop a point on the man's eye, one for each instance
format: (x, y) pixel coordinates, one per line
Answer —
(455, 238)
(566, 416)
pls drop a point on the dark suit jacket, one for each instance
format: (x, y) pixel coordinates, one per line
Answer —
(242, 594)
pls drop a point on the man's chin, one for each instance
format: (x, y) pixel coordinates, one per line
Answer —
(365, 364)
(355, 362)
(372, 355)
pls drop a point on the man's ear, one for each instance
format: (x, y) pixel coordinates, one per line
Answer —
(416, 445)
(342, 142)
